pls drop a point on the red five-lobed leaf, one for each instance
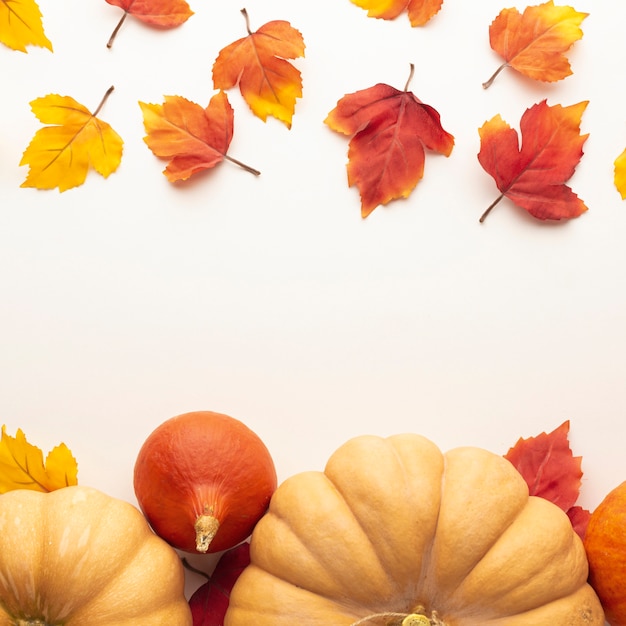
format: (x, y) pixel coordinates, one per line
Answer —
(533, 176)
(550, 469)
(209, 602)
(389, 130)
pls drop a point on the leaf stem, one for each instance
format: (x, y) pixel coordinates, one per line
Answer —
(116, 29)
(193, 569)
(245, 14)
(242, 165)
(104, 99)
(408, 80)
(488, 210)
(489, 82)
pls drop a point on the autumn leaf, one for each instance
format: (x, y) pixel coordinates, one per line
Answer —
(22, 465)
(551, 471)
(534, 176)
(191, 137)
(61, 154)
(159, 13)
(620, 174)
(21, 25)
(388, 131)
(209, 602)
(534, 42)
(420, 11)
(258, 63)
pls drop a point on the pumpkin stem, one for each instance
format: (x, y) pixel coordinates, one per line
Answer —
(206, 528)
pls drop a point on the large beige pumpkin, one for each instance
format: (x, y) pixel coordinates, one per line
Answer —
(78, 557)
(394, 527)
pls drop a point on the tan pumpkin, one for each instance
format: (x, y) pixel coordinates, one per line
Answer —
(78, 557)
(394, 528)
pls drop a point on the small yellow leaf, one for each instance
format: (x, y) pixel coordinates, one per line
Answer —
(21, 25)
(22, 465)
(620, 174)
(61, 154)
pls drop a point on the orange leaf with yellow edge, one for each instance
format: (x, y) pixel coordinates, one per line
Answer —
(21, 25)
(420, 11)
(535, 42)
(620, 174)
(61, 154)
(22, 465)
(389, 131)
(193, 138)
(159, 13)
(258, 63)
(533, 176)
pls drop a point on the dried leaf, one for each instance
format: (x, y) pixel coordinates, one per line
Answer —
(420, 11)
(389, 130)
(551, 471)
(61, 154)
(22, 465)
(534, 42)
(191, 137)
(159, 13)
(620, 174)
(258, 64)
(534, 176)
(21, 25)
(209, 602)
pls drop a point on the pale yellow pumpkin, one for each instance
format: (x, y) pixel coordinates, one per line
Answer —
(394, 528)
(78, 557)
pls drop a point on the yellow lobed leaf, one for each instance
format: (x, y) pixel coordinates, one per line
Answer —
(620, 174)
(61, 154)
(22, 465)
(21, 25)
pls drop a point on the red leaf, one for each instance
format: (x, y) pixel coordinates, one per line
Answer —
(209, 602)
(580, 519)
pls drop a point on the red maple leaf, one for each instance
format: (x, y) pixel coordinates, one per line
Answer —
(533, 176)
(389, 130)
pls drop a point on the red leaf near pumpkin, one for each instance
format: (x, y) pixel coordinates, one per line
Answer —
(210, 601)
(533, 175)
(389, 130)
(551, 471)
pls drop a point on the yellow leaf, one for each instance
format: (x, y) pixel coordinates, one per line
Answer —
(22, 465)
(620, 174)
(61, 154)
(21, 25)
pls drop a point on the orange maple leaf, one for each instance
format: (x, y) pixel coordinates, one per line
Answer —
(193, 138)
(258, 63)
(61, 154)
(21, 25)
(534, 42)
(159, 13)
(389, 130)
(534, 176)
(22, 465)
(420, 11)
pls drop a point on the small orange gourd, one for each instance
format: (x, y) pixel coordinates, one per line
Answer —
(78, 557)
(395, 532)
(203, 479)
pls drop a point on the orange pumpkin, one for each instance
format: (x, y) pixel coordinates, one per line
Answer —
(395, 530)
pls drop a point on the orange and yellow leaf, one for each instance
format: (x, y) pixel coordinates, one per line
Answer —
(61, 154)
(389, 131)
(620, 174)
(21, 25)
(533, 176)
(22, 465)
(535, 42)
(193, 138)
(258, 64)
(419, 11)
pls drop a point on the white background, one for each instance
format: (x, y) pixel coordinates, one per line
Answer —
(130, 300)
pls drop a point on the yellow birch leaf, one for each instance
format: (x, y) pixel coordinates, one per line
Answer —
(22, 465)
(61, 154)
(620, 174)
(21, 25)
